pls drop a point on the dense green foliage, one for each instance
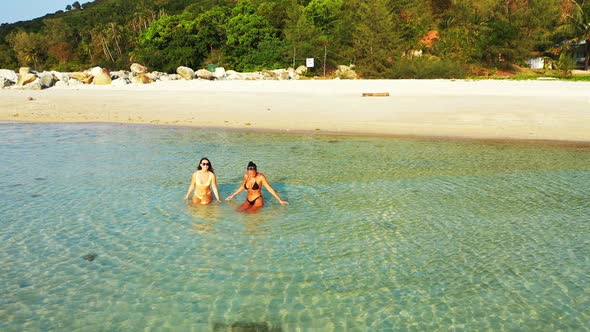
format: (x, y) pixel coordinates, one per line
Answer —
(382, 38)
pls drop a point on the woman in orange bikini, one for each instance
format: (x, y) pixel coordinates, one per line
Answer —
(201, 182)
(253, 182)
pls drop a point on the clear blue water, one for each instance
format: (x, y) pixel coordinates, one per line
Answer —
(382, 233)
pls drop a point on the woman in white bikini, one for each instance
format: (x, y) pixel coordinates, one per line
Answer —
(201, 182)
(253, 182)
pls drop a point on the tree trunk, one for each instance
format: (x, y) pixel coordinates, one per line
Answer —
(325, 57)
(587, 55)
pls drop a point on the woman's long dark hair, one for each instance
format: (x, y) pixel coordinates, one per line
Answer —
(210, 165)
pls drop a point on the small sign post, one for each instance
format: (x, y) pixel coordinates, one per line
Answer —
(309, 62)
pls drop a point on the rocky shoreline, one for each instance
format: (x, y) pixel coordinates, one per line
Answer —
(27, 79)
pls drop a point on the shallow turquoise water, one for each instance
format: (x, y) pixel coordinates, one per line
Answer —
(382, 234)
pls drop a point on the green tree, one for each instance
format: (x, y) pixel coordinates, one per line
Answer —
(169, 42)
(324, 14)
(276, 12)
(498, 42)
(374, 40)
(108, 39)
(457, 42)
(412, 20)
(7, 57)
(248, 31)
(334, 26)
(539, 19)
(30, 47)
(301, 35)
(211, 28)
(58, 37)
(578, 24)
(56, 30)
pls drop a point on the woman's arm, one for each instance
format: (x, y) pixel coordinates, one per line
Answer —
(272, 191)
(191, 187)
(214, 185)
(239, 190)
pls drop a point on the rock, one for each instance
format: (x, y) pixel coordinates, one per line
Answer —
(9, 75)
(82, 77)
(170, 77)
(346, 73)
(24, 70)
(153, 75)
(252, 76)
(219, 72)
(136, 68)
(4, 83)
(90, 257)
(292, 74)
(205, 74)
(25, 79)
(120, 74)
(231, 75)
(35, 85)
(61, 76)
(142, 79)
(157, 75)
(120, 82)
(282, 74)
(122, 77)
(47, 79)
(301, 70)
(102, 78)
(95, 71)
(25, 76)
(269, 75)
(185, 72)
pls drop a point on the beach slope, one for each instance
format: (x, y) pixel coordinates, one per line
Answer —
(490, 109)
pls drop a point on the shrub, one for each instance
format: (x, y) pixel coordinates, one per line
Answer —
(427, 68)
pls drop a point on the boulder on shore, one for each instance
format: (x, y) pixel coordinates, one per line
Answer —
(346, 72)
(25, 76)
(95, 71)
(103, 77)
(136, 68)
(301, 70)
(219, 72)
(142, 79)
(82, 77)
(47, 79)
(9, 75)
(205, 74)
(139, 75)
(185, 72)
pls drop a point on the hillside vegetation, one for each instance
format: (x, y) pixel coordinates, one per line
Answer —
(382, 38)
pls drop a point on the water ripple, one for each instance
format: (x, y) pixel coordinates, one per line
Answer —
(381, 234)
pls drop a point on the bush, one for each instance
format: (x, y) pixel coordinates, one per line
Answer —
(426, 68)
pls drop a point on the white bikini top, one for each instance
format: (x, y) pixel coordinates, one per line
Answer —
(198, 182)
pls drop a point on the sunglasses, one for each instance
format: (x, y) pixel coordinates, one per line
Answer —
(251, 168)
(205, 164)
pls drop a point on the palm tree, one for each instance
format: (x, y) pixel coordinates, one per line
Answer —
(579, 25)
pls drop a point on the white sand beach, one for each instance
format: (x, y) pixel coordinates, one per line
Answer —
(489, 109)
